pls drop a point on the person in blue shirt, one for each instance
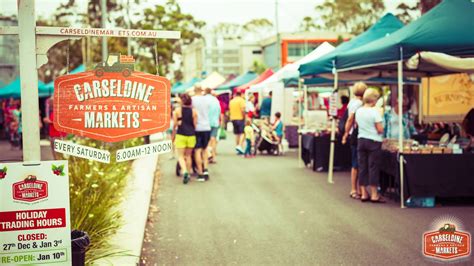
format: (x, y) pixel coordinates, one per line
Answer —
(266, 106)
(278, 130)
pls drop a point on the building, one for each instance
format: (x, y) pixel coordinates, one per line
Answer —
(295, 46)
(223, 55)
(233, 56)
(9, 59)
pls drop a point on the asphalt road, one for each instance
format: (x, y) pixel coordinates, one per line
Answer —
(268, 211)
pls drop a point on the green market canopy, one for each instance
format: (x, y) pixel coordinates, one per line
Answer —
(447, 28)
(49, 87)
(183, 87)
(13, 90)
(238, 81)
(385, 26)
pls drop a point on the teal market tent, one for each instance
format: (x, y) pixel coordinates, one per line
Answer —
(238, 81)
(48, 88)
(176, 84)
(13, 90)
(183, 87)
(447, 28)
(318, 81)
(385, 26)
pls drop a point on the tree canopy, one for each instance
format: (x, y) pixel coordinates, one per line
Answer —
(349, 16)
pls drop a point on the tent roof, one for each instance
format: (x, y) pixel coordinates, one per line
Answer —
(13, 89)
(318, 81)
(213, 80)
(447, 28)
(266, 74)
(183, 87)
(291, 70)
(240, 80)
(386, 25)
(49, 87)
(176, 84)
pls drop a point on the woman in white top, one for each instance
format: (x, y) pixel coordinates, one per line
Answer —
(369, 146)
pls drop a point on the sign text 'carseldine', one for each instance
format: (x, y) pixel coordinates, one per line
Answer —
(112, 104)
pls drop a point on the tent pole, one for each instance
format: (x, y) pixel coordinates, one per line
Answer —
(29, 80)
(300, 124)
(305, 109)
(333, 138)
(400, 131)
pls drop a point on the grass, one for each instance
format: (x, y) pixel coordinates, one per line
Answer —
(95, 192)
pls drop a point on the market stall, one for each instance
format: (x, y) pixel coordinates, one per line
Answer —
(320, 71)
(436, 31)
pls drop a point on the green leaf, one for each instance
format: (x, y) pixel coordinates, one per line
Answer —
(62, 174)
(61, 167)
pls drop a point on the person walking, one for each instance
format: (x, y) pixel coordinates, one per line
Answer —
(237, 116)
(351, 132)
(214, 121)
(202, 104)
(249, 138)
(184, 124)
(266, 106)
(369, 146)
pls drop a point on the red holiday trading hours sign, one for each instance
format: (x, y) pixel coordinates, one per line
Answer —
(112, 103)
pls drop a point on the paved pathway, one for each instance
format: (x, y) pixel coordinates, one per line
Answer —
(268, 211)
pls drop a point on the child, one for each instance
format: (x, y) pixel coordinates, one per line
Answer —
(248, 131)
(277, 129)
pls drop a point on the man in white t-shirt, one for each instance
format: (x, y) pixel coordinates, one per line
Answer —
(358, 90)
(202, 105)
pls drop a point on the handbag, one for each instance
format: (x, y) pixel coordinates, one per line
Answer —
(222, 134)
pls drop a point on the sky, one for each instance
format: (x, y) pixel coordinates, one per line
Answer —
(290, 12)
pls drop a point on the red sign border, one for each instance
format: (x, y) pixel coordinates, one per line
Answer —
(458, 256)
(101, 137)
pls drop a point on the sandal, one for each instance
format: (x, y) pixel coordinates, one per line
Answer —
(354, 195)
(364, 199)
(379, 200)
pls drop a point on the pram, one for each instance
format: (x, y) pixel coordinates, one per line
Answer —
(265, 140)
(194, 166)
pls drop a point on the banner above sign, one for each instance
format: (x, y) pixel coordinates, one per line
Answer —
(112, 103)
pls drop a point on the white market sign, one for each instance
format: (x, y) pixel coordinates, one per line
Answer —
(99, 32)
(81, 151)
(35, 214)
(144, 150)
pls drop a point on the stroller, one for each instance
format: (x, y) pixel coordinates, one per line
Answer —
(265, 141)
(194, 166)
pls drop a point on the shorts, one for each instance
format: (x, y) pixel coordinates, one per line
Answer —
(238, 126)
(355, 162)
(183, 142)
(202, 139)
(214, 131)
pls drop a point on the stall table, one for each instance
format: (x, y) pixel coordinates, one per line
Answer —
(315, 149)
(433, 175)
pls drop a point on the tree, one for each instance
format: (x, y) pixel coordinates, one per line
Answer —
(307, 24)
(163, 51)
(258, 67)
(350, 16)
(407, 13)
(228, 31)
(257, 28)
(427, 5)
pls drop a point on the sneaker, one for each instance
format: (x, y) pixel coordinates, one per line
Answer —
(201, 178)
(205, 174)
(186, 178)
(239, 150)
